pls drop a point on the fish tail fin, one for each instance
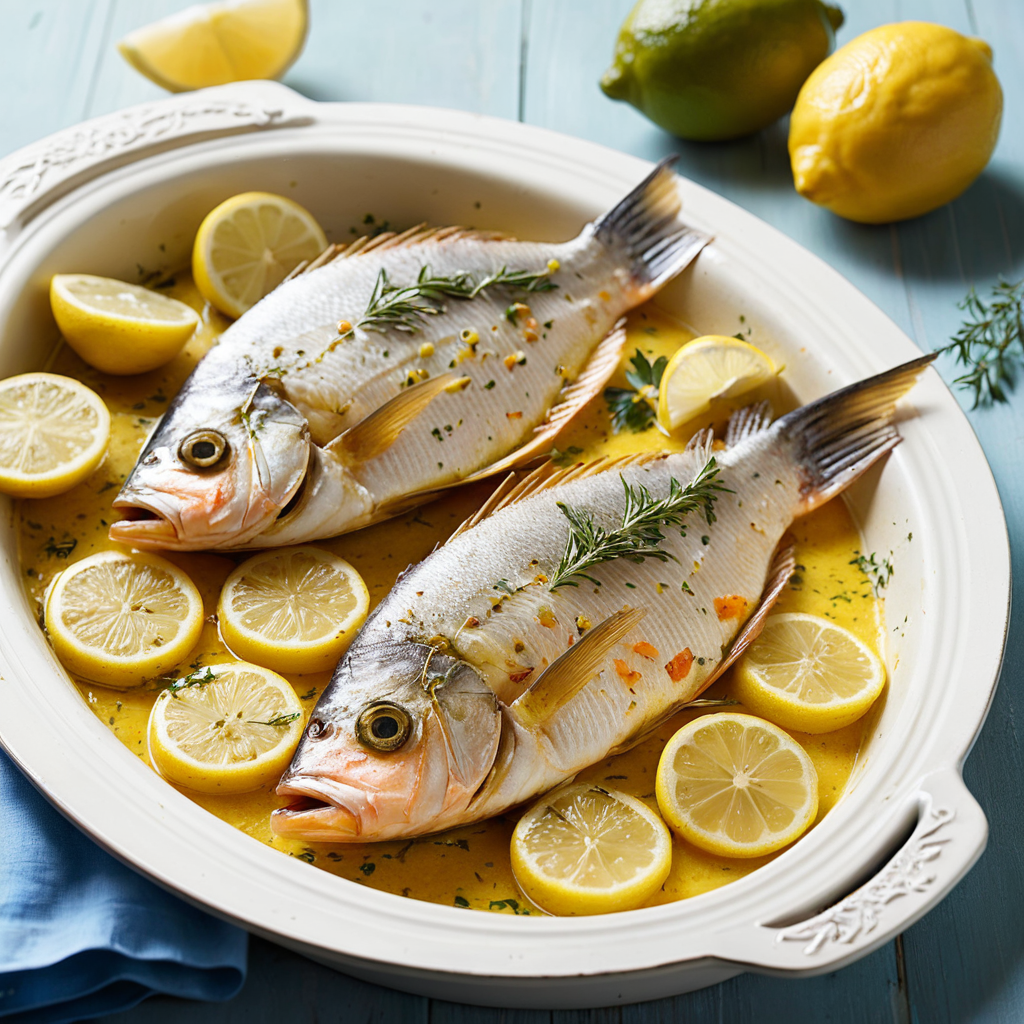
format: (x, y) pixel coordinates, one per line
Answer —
(840, 436)
(644, 225)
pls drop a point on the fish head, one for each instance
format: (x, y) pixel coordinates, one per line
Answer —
(222, 464)
(398, 745)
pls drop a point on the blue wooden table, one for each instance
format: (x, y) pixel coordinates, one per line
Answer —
(539, 61)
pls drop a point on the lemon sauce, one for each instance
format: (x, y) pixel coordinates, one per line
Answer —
(468, 866)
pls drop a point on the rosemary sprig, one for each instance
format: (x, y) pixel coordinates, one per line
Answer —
(406, 308)
(990, 343)
(279, 721)
(639, 536)
(635, 408)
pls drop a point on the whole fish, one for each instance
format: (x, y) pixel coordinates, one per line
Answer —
(396, 368)
(511, 658)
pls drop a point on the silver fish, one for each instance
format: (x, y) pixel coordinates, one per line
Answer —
(397, 368)
(501, 665)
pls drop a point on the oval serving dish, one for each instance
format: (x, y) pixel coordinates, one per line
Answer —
(131, 188)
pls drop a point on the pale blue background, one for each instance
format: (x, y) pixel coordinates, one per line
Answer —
(539, 61)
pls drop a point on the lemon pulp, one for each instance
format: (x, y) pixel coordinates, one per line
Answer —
(53, 433)
(247, 246)
(737, 786)
(293, 610)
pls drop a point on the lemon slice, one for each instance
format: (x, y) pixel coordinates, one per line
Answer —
(227, 728)
(213, 44)
(736, 786)
(53, 433)
(582, 849)
(806, 673)
(119, 328)
(293, 610)
(705, 369)
(119, 619)
(248, 245)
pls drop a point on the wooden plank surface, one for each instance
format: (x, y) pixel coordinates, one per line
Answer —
(539, 60)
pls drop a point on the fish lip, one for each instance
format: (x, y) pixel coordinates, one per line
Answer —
(145, 531)
(330, 819)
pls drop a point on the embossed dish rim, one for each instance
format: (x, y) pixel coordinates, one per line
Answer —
(952, 586)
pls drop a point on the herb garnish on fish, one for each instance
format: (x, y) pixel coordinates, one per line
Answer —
(639, 536)
(635, 408)
(405, 308)
(879, 573)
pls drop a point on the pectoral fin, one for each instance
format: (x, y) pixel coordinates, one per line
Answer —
(570, 672)
(377, 432)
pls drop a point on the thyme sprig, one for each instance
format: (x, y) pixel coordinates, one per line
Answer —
(634, 408)
(406, 308)
(878, 572)
(639, 536)
(990, 342)
(279, 722)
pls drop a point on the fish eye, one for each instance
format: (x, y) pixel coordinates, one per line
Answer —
(203, 448)
(383, 726)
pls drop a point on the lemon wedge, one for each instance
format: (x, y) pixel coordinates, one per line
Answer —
(213, 44)
(53, 433)
(714, 366)
(736, 786)
(228, 728)
(248, 245)
(119, 619)
(583, 849)
(119, 328)
(292, 610)
(806, 673)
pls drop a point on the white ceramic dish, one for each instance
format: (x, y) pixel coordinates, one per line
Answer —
(131, 189)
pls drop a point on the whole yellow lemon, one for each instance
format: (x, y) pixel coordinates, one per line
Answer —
(895, 123)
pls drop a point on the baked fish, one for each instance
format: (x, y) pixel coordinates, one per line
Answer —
(574, 614)
(396, 368)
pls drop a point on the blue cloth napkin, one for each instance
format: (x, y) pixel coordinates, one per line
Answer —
(82, 935)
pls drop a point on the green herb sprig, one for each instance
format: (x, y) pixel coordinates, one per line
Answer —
(639, 536)
(635, 408)
(990, 343)
(406, 308)
(279, 722)
(878, 572)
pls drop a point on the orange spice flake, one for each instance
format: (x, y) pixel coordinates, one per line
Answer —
(625, 673)
(731, 606)
(521, 675)
(546, 617)
(679, 667)
(514, 415)
(645, 650)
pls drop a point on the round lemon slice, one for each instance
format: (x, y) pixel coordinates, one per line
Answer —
(582, 849)
(806, 673)
(53, 433)
(293, 610)
(119, 328)
(213, 44)
(228, 728)
(119, 619)
(736, 786)
(707, 368)
(248, 245)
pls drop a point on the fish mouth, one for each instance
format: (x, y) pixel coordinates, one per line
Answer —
(315, 814)
(142, 526)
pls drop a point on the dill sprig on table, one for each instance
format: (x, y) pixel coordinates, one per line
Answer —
(635, 408)
(406, 308)
(990, 343)
(639, 536)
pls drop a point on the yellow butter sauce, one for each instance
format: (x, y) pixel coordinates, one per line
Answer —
(467, 866)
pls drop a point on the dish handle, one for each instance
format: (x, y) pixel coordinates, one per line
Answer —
(35, 176)
(949, 836)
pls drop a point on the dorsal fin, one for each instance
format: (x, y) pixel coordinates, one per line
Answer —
(515, 487)
(377, 432)
(747, 422)
(416, 235)
(782, 567)
(571, 671)
(602, 364)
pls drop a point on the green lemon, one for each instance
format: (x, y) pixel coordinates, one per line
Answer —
(718, 69)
